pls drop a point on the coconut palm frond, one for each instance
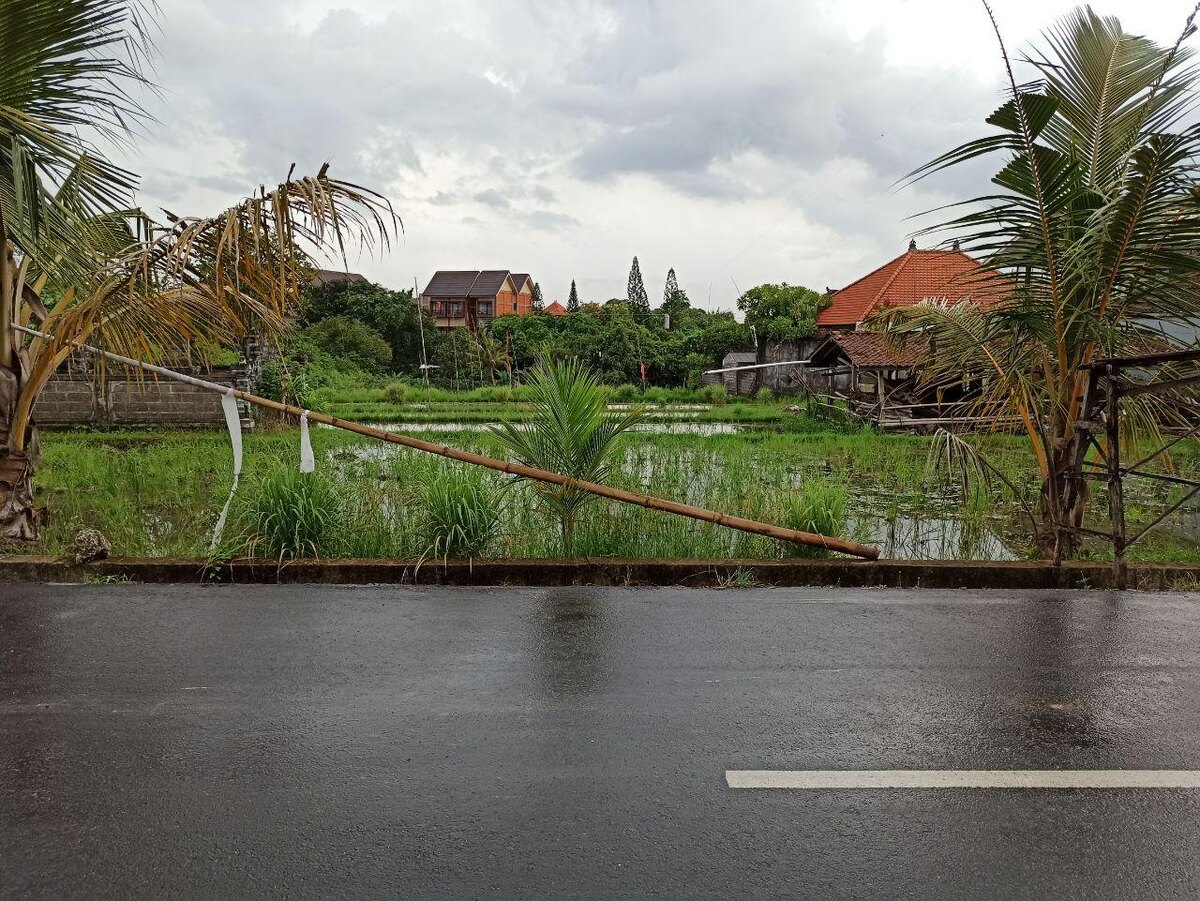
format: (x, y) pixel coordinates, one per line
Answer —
(73, 71)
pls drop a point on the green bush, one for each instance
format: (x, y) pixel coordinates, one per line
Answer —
(289, 383)
(625, 394)
(288, 514)
(818, 508)
(571, 432)
(717, 395)
(343, 338)
(460, 515)
(763, 395)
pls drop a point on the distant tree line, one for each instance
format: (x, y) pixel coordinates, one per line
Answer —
(363, 329)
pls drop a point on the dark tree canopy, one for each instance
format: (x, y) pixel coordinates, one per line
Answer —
(573, 299)
(538, 304)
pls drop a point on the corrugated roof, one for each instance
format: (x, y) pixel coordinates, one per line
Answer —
(869, 350)
(911, 278)
(734, 357)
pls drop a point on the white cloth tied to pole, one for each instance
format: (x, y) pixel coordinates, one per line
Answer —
(308, 462)
(233, 421)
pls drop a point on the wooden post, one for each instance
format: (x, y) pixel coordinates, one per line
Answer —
(1116, 492)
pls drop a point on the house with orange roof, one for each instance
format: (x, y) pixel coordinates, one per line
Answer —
(850, 360)
(556, 309)
(909, 279)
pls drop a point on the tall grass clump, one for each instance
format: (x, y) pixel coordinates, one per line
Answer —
(571, 432)
(460, 515)
(288, 514)
(818, 508)
(396, 393)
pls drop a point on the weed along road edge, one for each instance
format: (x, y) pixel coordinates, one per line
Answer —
(250, 741)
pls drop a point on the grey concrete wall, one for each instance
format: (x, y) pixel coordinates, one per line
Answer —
(74, 398)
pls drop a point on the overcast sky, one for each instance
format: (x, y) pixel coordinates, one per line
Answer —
(739, 142)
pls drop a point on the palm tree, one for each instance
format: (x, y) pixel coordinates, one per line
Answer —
(571, 433)
(1095, 224)
(80, 263)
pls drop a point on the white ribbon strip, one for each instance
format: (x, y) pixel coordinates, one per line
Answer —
(233, 421)
(308, 463)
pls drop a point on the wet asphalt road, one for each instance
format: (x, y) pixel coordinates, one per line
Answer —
(494, 743)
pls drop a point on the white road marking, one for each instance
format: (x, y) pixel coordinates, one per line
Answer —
(1040, 779)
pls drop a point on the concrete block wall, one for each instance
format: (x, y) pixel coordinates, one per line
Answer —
(73, 398)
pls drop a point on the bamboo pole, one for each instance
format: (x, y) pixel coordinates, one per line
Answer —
(751, 526)
(754, 527)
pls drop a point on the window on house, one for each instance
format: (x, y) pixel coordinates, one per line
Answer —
(454, 308)
(485, 308)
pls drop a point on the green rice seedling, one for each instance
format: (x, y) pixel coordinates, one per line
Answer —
(460, 515)
(818, 508)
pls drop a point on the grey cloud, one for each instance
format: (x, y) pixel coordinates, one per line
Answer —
(520, 104)
(493, 198)
(549, 220)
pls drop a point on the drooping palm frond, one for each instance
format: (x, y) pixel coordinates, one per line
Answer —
(212, 279)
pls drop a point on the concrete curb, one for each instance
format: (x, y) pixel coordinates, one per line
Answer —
(609, 571)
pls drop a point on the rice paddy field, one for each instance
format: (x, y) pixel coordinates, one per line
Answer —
(159, 494)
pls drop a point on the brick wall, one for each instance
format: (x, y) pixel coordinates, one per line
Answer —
(72, 398)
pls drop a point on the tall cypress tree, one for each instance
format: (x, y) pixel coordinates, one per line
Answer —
(639, 301)
(538, 306)
(573, 299)
(671, 287)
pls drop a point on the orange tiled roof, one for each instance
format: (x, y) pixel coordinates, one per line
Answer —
(556, 309)
(910, 278)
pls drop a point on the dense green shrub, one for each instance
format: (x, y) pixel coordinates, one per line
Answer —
(571, 433)
(343, 338)
(396, 393)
